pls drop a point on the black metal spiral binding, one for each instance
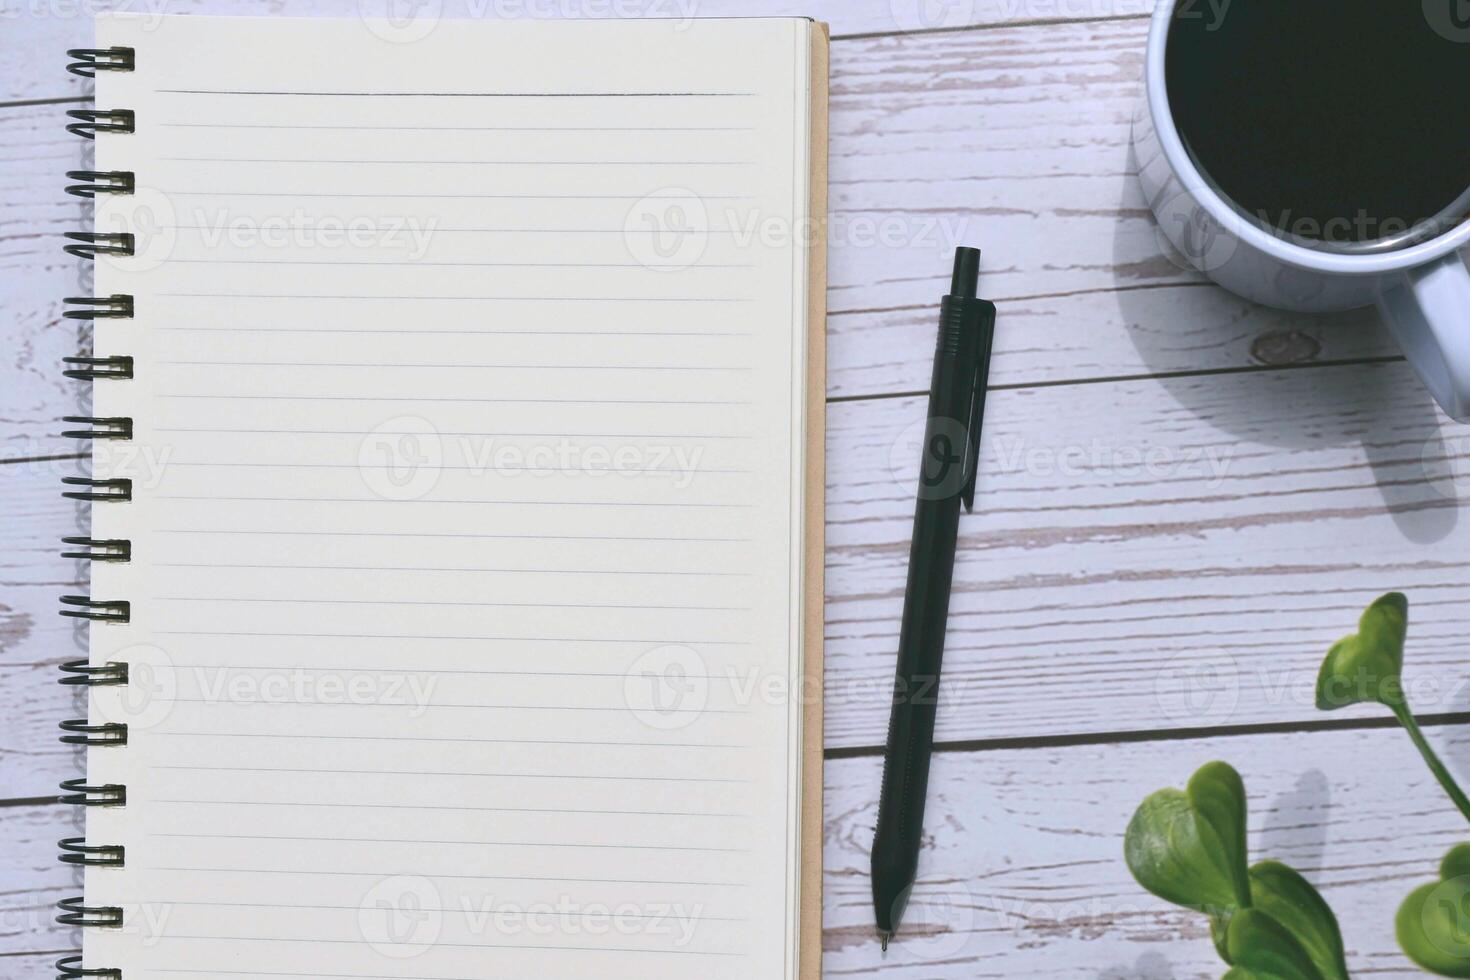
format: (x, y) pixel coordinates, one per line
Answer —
(98, 368)
(84, 673)
(78, 792)
(89, 61)
(90, 122)
(102, 427)
(100, 549)
(119, 490)
(78, 732)
(90, 244)
(118, 306)
(101, 182)
(70, 968)
(75, 913)
(77, 851)
(100, 610)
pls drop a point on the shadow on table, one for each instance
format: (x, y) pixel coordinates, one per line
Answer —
(1262, 395)
(1149, 966)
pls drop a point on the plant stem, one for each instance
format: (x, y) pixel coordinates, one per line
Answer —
(1406, 718)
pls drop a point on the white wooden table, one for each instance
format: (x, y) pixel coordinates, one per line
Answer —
(1185, 500)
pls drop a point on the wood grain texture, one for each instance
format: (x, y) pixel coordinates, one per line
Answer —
(31, 882)
(1022, 872)
(34, 277)
(1155, 554)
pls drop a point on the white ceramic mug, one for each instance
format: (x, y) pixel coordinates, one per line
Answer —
(1422, 290)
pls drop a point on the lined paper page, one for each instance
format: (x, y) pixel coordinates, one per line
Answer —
(465, 590)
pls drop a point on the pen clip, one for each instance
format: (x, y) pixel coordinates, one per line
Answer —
(978, 391)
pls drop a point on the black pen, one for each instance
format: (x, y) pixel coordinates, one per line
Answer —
(950, 461)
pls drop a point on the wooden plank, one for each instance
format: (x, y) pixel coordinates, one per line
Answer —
(40, 33)
(1148, 555)
(36, 274)
(1155, 554)
(32, 881)
(1022, 872)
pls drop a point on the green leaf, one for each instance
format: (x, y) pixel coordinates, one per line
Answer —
(1365, 667)
(1189, 847)
(1262, 947)
(1282, 893)
(1433, 924)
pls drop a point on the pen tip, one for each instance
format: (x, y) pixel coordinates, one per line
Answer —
(883, 939)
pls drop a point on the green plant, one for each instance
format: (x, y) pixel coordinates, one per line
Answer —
(1431, 924)
(1268, 922)
(1188, 846)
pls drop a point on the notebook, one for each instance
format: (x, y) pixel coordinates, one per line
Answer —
(456, 544)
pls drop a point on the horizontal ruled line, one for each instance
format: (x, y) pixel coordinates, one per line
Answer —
(470, 195)
(481, 502)
(358, 161)
(441, 432)
(473, 401)
(433, 636)
(478, 299)
(597, 777)
(457, 569)
(464, 332)
(470, 367)
(400, 669)
(457, 741)
(473, 843)
(432, 534)
(476, 95)
(445, 806)
(479, 877)
(483, 264)
(422, 707)
(441, 942)
(481, 469)
(479, 603)
(471, 129)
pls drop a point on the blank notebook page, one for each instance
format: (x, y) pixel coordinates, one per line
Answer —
(467, 499)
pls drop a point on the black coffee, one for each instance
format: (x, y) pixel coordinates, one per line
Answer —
(1335, 120)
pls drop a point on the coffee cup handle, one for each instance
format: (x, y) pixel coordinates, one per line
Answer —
(1428, 309)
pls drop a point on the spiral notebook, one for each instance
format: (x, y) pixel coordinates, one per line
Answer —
(457, 499)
